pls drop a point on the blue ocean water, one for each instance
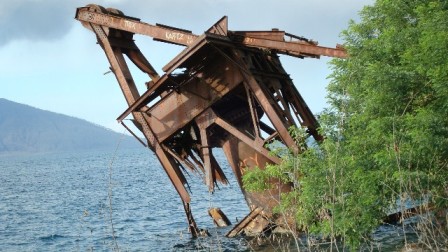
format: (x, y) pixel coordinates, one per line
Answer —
(60, 202)
(116, 200)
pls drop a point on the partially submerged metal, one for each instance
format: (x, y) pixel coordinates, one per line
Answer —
(232, 93)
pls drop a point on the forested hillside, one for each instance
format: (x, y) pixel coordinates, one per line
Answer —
(27, 129)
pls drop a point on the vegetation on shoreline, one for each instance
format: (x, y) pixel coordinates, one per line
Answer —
(386, 130)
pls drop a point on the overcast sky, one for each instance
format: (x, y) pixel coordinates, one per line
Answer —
(50, 61)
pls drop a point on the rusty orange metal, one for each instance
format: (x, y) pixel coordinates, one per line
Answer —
(232, 93)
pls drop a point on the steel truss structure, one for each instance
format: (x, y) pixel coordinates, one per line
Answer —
(232, 93)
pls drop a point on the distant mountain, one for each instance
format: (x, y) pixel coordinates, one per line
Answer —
(27, 129)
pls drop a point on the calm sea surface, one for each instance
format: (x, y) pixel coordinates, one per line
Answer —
(73, 201)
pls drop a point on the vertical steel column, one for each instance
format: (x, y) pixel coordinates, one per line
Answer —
(204, 121)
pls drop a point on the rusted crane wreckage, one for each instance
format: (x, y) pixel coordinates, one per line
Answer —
(230, 80)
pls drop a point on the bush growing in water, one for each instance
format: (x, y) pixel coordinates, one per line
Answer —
(386, 129)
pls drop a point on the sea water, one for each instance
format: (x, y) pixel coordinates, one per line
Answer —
(105, 200)
(114, 200)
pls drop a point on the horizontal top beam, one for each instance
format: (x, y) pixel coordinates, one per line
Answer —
(124, 23)
(272, 40)
(295, 48)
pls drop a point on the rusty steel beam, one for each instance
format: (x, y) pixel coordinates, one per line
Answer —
(205, 120)
(243, 223)
(260, 39)
(124, 78)
(257, 144)
(264, 100)
(219, 218)
(133, 25)
(297, 49)
(233, 94)
(151, 94)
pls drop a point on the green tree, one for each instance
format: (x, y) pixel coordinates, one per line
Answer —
(386, 128)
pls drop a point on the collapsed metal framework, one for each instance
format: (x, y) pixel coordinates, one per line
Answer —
(230, 81)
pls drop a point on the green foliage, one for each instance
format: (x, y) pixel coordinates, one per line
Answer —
(386, 128)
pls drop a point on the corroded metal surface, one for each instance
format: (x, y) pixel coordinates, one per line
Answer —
(219, 218)
(232, 93)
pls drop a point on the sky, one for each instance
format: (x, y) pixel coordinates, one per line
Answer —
(50, 61)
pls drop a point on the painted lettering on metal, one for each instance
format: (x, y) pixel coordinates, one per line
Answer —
(129, 24)
(177, 36)
(248, 40)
